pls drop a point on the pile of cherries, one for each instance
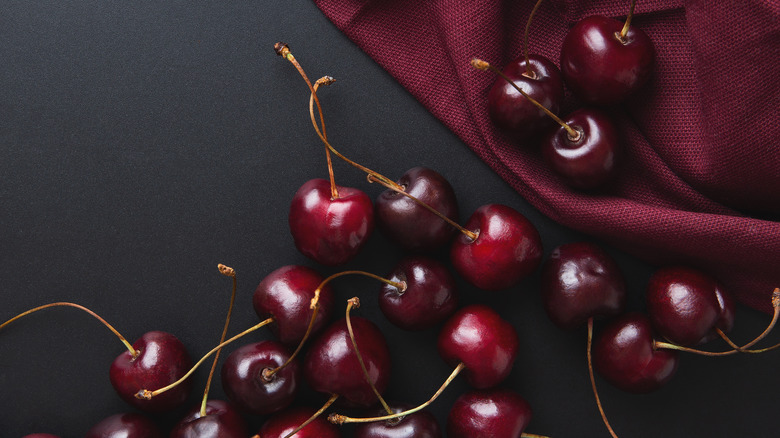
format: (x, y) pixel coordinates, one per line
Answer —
(494, 250)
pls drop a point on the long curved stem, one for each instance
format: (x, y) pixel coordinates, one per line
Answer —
(133, 352)
(326, 80)
(528, 72)
(593, 379)
(314, 416)
(624, 30)
(341, 419)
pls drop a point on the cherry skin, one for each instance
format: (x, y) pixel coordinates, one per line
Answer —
(129, 425)
(285, 295)
(493, 413)
(515, 114)
(281, 424)
(508, 248)
(410, 225)
(421, 424)
(581, 281)
(600, 68)
(246, 385)
(330, 231)
(486, 344)
(221, 421)
(590, 160)
(332, 367)
(623, 354)
(162, 360)
(686, 306)
(429, 298)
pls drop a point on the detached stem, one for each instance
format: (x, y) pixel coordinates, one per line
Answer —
(341, 419)
(133, 352)
(479, 64)
(593, 379)
(314, 416)
(528, 72)
(624, 31)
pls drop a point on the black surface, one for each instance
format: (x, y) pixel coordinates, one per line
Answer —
(145, 142)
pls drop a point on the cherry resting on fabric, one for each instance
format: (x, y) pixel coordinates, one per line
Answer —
(129, 425)
(285, 295)
(330, 231)
(492, 413)
(221, 421)
(600, 67)
(162, 360)
(623, 354)
(581, 281)
(280, 425)
(686, 306)
(511, 111)
(410, 225)
(507, 249)
(421, 424)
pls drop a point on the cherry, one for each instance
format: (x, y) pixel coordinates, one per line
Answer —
(506, 250)
(687, 307)
(285, 295)
(282, 424)
(428, 298)
(581, 281)
(330, 230)
(161, 360)
(247, 384)
(493, 413)
(332, 367)
(588, 159)
(421, 424)
(484, 342)
(221, 421)
(604, 61)
(129, 425)
(410, 225)
(625, 356)
(512, 111)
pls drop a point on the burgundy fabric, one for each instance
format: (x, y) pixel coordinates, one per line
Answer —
(700, 181)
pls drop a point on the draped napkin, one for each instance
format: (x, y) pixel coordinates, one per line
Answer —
(700, 178)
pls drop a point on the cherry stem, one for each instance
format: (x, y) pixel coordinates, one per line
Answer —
(133, 352)
(327, 80)
(354, 303)
(532, 435)
(313, 417)
(146, 394)
(593, 379)
(284, 51)
(624, 31)
(341, 419)
(479, 64)
(228, 272)
(269, 373)
(528, 72)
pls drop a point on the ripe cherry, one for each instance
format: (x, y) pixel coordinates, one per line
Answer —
(421, 424)
(221, 421)
(410, 225)
(129, 425)
(428, 298)
(507, 248)
(489, 413)
(282, 424)
(330, 230)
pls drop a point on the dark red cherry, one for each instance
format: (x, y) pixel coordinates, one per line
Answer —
(129, 425)
(508, 248)
(247, 386)
(599, 66)
(493, 413)
(162, 360)
(623, 354)
(410, 225)
(282, 424)
(511, 111)
(486, 344)
(581, 281)
(686, 305)
(332, 367)
(421, 424)
(590, 160)
(330, 231)
(285, 294)
(429, 298)
(221, 421)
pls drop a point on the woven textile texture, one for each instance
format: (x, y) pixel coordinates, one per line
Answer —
(700, 179)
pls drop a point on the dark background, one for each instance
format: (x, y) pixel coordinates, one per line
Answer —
(144, 143)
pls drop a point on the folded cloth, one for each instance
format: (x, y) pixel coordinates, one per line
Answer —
(700, 179)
